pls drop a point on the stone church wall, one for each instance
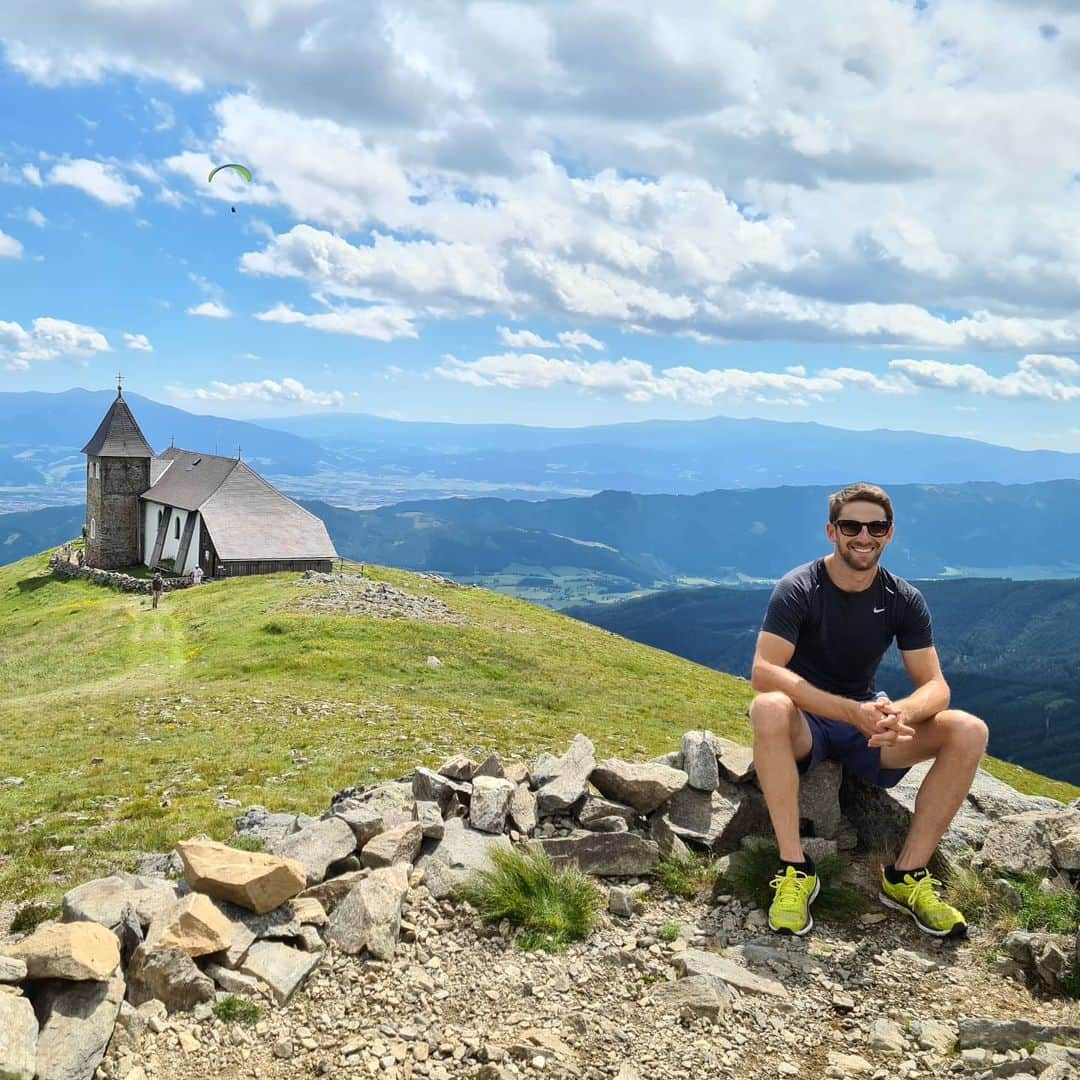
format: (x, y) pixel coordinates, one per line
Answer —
(112, 503)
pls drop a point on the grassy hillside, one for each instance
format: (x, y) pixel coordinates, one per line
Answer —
(127, 724)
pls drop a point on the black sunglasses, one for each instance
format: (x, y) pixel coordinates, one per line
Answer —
(850, 528)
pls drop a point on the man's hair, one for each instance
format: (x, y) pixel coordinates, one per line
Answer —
(859, 493)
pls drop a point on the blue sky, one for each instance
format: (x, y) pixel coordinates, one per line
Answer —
(864, 214)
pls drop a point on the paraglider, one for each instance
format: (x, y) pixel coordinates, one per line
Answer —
(241, 170)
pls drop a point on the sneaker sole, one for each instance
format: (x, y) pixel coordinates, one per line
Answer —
(958, 931)
(809, 915)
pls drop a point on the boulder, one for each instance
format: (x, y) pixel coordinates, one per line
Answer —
(369, 918)
(1045, 958)
(430, 817)
(258, 822)
(282, 922)
(18, 1038)
(129, 933)
(819, 800)
(567, 778)
(331, 892)
(490, 803)
(77, 1023)
(400, 844)
(694, 996)
(491, 766)
(194, 925)
(699, 760)
(613, 823)
(282, 968)
(717, 819)
(594, 808)
(76, 950)
(523, 809)
(1066, 848)
(460, 768)
(236, 982)
(103, 901)
(249, 879)
(309, 911)
(736, 761)
(169, 976)
(1001, 1035)
(1022, 843)
(316, 846)
(459, 853)
(603, 854)
(431, 786)
(645, 786)
(698, 962)
(12, 970)
(365, 808)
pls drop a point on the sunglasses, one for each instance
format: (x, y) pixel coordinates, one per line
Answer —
(851, 528)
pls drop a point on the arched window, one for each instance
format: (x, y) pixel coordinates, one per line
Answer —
(93, 529)
(176, 531)
(160, 515)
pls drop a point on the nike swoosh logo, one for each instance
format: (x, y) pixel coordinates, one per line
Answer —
(878, 610)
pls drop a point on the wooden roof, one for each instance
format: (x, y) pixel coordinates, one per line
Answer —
(118, 435)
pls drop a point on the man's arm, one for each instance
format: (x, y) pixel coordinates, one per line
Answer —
(770, 672)
(931, 693)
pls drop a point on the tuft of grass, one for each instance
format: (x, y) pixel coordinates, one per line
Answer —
(551, 907)
(246, 843)
(1070, 984)
(30, 916)
(669, 932)
(237, 1010)
(1058, 912)
(750, 871)
(685, 876)
(975, 893)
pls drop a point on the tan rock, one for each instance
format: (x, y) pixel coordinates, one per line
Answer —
(250, 879)
(77, 950)
(194, 925)
(309, 910)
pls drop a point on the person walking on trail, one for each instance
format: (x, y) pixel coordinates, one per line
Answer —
(156, 588)
(828, 624)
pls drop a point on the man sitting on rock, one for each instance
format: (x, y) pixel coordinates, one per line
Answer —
(827, 627)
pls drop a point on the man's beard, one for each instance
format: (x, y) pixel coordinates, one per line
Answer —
(849, 559)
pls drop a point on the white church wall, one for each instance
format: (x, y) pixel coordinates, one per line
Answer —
(155, 512)
(150, 527)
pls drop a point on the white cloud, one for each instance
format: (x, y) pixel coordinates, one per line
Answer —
(96, 179)
(47, 339)
(10, 248)
(1049, 378)
(32, 175)
(210, 309)
(523, 339)
(578, 340)
(138, 342)
(164, 117)
(381, 323)
(36, 217)
(287, 391)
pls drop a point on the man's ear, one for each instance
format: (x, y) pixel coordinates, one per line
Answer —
(830, 532)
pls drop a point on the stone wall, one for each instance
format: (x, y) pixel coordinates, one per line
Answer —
(114, 579)
(112, 501)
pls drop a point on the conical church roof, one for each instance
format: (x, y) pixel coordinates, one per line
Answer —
(118, 435)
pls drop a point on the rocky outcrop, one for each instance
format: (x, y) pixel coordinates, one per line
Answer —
(247, 878)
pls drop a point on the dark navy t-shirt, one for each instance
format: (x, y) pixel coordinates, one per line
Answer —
(840, 637)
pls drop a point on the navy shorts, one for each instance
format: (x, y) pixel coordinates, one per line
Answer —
(836, 741)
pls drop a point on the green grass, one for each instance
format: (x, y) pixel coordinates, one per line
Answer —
(246, 843)
(30, 916)
(551, 907)
(219, 689)
(1058, 912)
(685, 876)
(669, 931)
(751, 869)
(237, 1010)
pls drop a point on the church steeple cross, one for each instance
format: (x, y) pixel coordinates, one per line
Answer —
(119, 385)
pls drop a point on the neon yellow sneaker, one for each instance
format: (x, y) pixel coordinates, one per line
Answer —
(917, 897)
(795, 891)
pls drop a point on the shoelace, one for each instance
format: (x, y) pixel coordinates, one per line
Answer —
(922, 894)
(788, 884)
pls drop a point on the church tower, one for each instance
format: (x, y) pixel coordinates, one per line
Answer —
(117, 473)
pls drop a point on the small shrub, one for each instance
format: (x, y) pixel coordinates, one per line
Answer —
(684, 876)
(1058, 912)
(30, 916)
(751, 870)
(246, 843)
(274, 626)
(974, 893)
(237, 1010)
(669, 932)
(551, 907)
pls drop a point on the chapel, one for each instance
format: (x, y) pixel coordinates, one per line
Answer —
(180, 509)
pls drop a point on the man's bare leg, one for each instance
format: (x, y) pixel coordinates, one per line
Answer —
(957, 741)
(781, 738)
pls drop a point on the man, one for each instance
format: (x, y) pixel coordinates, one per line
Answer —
(827, 627)
(197, 575)
(156, 586)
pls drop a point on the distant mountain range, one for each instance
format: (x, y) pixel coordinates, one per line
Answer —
(366, 461)
(1010, 650)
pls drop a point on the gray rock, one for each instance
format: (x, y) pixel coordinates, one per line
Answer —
(459, 767)
(1010, 1034)
(995, 798)
(316, 846)
(430, 786)
(332, 891)
(604, 854)
(12, 970)
(282, 968)
(103, 901)
(593, 808)
(697, 995)
(716, 819)
(77, 1022)
(18, 1038)
(570, 779)
(459, 853)
(431, 820)
(712, 965)
(490, 803)
(643, 786)
(170, 976)
(626, 902)
(163, 866)
(369, 918)
(544, 769)
(670, 845)
(523, 810)
(258, 822)
(699, 760)
(400, 844)
(614, 823)
(887, 1037)
(129, 933)
(736, 761)
(936, 1035)
(1021, 843)
(816, 847)
(1044, 957)
(491, 766)
(819, 799)
(673, 760)
(236, 982)
(281, 922)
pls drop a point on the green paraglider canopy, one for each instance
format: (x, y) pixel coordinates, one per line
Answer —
(243, 170)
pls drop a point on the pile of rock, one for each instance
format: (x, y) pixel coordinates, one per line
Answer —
(256, 917)
(354, 594)
(114, 579)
